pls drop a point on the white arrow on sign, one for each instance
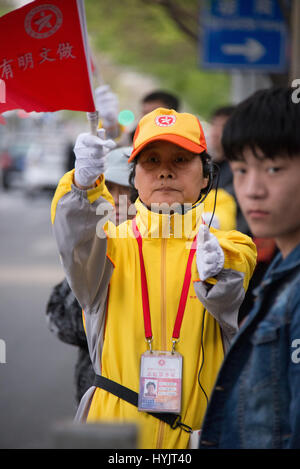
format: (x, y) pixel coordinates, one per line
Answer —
(252, 49)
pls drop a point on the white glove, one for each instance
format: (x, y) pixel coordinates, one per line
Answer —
(107, 104)
(90, 151)
(214, 222)
(209, 254)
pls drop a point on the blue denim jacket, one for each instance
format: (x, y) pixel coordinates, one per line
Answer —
(256, 398)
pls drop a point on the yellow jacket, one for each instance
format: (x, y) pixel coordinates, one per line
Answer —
(225, 212)
(103, 270)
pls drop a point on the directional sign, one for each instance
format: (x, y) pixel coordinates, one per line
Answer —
(244, 34)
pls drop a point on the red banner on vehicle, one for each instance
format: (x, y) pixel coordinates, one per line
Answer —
(44, 58)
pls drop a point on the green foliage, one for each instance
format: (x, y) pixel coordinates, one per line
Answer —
(141, 34)
(4, 9)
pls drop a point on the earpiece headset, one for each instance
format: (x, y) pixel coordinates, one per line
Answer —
(210, 170)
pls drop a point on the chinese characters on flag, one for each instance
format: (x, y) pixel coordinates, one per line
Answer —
(44, 57)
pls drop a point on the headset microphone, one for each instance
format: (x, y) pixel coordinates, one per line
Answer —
(212, 169)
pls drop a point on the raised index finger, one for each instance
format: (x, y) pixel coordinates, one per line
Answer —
(203, 234)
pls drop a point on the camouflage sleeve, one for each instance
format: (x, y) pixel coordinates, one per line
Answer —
(64, 316)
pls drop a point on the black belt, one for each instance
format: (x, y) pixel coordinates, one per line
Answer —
(174, 420)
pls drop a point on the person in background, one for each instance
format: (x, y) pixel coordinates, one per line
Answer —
(107, 103)
(255, 403)
(266, 248)
(63, 312)
(159, 98)
(218, 121)
(154, 100)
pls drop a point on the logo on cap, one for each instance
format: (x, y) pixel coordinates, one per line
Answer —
(165, 121)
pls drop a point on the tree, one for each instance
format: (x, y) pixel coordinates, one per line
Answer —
(185, 16)
(143, 36)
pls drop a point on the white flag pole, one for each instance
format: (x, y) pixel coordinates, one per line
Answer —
(93, 117)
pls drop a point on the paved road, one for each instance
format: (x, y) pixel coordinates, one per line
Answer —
(36, 382)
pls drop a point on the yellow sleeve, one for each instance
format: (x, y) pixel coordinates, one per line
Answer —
(226, 209)
(65, 186)
(239, 251)
(83, 321)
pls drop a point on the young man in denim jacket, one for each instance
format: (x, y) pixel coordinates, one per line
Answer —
(256, 398)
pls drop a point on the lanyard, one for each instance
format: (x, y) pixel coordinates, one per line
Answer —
(145, 296)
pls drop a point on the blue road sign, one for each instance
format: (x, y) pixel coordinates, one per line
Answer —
(244, 34)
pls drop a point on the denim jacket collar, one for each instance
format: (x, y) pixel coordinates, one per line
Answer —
(279, 268)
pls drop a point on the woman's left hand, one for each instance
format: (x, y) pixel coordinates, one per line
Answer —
(209, 254)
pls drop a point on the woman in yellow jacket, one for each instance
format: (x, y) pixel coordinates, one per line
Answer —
(160, 293)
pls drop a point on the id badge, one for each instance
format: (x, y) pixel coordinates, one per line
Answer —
(160, 382)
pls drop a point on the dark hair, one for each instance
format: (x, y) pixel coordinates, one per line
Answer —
(132, 173)
(225, 111)
(268, 120)
(150, 382)
(169, 100)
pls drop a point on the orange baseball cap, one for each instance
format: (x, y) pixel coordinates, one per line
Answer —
(180, 128)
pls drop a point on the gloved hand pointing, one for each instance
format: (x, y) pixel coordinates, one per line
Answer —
(90, 151)
(209, 254)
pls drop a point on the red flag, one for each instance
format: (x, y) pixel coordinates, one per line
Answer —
(44, 57)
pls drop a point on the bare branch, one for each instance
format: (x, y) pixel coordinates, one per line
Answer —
(185, 21)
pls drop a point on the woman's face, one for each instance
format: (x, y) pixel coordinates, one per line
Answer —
(167, 173)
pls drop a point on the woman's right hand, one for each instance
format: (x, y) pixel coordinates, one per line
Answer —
(90, 152)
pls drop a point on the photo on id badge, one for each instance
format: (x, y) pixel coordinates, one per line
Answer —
(160, 382)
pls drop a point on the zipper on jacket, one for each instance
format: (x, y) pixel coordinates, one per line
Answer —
(163, 308)
(163, 300)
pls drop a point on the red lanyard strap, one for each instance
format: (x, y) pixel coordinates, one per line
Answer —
(184, 291)
(145, 295)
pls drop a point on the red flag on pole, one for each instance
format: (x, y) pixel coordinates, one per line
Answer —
(44, 57)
